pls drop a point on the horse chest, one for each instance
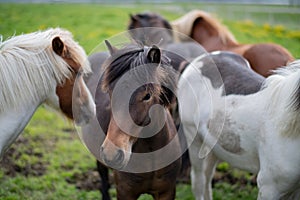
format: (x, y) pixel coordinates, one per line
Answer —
(150, 182)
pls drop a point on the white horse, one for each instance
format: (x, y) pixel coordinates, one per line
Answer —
(258, 131)
(41, 67)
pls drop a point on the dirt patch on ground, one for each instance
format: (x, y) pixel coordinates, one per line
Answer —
(89, 180)
(11, 168)
(229, 178)
(86, 181)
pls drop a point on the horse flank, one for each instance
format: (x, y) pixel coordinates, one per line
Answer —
(283, 90)
(29, 64)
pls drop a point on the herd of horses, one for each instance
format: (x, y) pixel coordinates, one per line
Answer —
(181, 87)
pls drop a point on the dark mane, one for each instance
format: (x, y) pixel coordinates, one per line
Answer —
(130, 58)
(142, 28)
(146, 17)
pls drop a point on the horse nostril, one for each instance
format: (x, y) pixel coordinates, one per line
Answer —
(101, 149)
(116, 161)
(119, 157)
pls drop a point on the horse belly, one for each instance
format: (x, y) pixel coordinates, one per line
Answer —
(237, 152)
(237, 143)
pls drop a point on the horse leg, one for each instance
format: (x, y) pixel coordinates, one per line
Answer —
(127, 186)
(266, 186)
(202, 171)
(103, 172)
(167, 195)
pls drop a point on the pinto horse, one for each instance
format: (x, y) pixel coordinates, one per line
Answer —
(253, 127)
(41, 67)
(212, 35)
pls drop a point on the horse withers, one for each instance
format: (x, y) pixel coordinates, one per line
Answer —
(41, 67)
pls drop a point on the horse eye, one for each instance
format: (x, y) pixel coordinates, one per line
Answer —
(147, 97)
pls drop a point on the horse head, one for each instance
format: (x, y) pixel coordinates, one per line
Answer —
(74, 98)
(140, 84)
(150, 28)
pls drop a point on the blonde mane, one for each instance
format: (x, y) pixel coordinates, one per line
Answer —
(185, 24)
(29, 68)
(282, 91)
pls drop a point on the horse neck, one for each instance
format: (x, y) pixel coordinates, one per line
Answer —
(281, 107)
(159, 140)
(215, 42)
(210, 38)
(29, 76)
(13, 122)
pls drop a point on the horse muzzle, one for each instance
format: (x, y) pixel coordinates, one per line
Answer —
(113, 156)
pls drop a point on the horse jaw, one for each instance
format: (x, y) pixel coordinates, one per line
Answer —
(83, 105)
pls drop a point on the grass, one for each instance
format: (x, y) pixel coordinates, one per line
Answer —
(48, 158)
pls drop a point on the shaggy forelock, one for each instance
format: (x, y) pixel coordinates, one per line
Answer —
(130, 58)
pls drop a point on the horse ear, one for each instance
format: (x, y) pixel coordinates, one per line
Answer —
(111, 49)
(154, 54)
(58, 46)
(133, 17)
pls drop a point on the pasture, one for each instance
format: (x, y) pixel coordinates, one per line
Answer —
(48, 161)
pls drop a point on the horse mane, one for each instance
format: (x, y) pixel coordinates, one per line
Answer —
(283, 89)
(128, 59)
(163, 33)
(185, 25)
(29, 64)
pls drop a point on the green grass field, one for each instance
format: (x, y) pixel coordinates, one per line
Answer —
(48, 161)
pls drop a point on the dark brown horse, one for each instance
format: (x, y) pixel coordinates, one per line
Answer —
(91, 134)
(158, 180)
(212, 35)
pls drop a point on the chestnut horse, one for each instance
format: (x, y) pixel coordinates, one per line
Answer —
(212, 35)
(41, 67)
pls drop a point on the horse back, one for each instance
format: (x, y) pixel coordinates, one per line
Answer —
(236, 74)
(277, 56)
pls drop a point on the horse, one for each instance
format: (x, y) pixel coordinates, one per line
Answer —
(134, 178)
(254, 128)
(159, 32)
(41, 67)
(91, 135)
(212, 35)
(149, 28)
